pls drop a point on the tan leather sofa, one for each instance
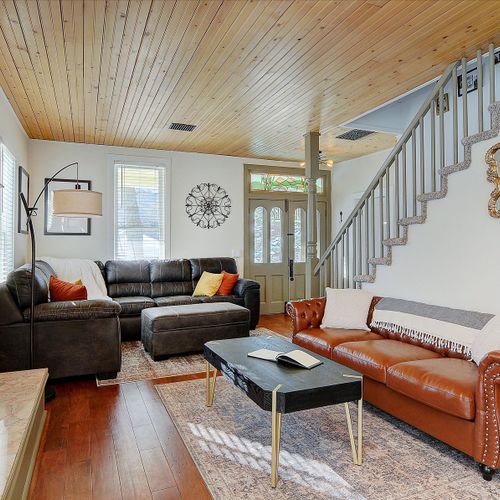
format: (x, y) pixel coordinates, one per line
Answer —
(445, 396)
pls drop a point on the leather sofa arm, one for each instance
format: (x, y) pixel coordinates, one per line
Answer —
(306, 313)
(74, 310)
(249, 291)
(487, 438)
(243, 285)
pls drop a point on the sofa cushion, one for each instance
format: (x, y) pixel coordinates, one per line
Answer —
(198, 316)
(373, 357)
(128, 278)
(74, 310)
(170, 277)
(19, 284)
(180, 300)
(323, 340)
(213, 265)
(234, 299)
(177, 300)
(447, 384)
(132, 306)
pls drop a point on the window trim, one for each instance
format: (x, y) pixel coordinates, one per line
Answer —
(14, 203)
(139, 161)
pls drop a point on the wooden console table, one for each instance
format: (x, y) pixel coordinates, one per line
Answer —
(22, 416)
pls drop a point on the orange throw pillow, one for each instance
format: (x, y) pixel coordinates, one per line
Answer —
(228, 282)
(62, 290)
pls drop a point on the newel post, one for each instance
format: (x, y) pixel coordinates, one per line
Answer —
(312, 175)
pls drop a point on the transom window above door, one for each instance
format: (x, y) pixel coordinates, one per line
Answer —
(266, 182)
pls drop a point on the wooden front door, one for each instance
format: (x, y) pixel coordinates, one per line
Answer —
(277, 249)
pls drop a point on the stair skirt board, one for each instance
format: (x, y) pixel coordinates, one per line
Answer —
(423, 199)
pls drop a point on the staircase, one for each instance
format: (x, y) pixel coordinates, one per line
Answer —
(415, 172)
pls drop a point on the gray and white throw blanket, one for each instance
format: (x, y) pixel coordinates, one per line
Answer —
(443, 327)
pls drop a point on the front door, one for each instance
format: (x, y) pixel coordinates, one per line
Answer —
(278, 242)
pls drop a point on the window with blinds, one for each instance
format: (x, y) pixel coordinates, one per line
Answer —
(139, 212)
(7, 203)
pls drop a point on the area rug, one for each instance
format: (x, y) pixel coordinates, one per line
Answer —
(230, 443)
(137, 364)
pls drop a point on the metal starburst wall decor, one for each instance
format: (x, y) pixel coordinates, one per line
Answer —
(208, 205)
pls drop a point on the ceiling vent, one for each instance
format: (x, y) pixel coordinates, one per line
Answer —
(354, 135)
(182, 126)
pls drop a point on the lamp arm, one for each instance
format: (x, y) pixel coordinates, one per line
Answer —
(31, 210)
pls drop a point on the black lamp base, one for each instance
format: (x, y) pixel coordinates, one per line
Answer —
(50, 393)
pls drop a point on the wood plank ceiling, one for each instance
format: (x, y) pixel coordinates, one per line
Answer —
(252, 75)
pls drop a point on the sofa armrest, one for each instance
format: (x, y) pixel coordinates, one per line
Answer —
(487, 438)
(249, 291)
(72, 310)
(306, 313)
(243, 285)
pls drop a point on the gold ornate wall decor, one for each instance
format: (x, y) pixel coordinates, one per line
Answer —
(493, 176)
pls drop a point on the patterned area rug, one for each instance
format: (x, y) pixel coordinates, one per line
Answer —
(230, 443)
(138, 365)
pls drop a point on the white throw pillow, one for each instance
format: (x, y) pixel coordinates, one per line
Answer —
(346, 309)
(487, 340)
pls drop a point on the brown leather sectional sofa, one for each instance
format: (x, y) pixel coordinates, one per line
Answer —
(445, 396)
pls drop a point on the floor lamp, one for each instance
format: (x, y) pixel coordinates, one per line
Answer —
(66, 203)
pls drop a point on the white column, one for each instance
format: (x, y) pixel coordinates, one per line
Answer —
(312, 174)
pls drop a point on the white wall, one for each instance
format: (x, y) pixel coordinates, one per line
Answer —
(350, 179)
(453, 258)
(14, 137)
(188, 169)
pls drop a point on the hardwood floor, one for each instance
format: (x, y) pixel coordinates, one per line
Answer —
(118, 442)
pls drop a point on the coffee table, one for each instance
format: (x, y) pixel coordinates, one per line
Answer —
(284, 389)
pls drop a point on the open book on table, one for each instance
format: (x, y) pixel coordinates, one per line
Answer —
(295, 357)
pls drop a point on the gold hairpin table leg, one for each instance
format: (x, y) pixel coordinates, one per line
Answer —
(275, 439)
(210, 384)
(357, 454)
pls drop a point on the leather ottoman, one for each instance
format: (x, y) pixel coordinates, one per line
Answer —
(166, 331)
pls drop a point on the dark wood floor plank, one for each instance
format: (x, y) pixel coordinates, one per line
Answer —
(186, 474)
(158, 472)
(78, 441)
(135, 404)
(50, 484)
(168, 494)
(133, 480)
(105, 479)
(145, 436)
(78, 484)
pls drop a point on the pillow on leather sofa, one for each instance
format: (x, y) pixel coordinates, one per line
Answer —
(347, 309)
(227, 284)
(208, 285)
(61, 291)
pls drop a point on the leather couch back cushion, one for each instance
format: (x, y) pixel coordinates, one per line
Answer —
(126, 278)
(170, 277)
(212, 265)
(19, 284)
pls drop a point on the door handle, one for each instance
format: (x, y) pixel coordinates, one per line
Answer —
(290, 269)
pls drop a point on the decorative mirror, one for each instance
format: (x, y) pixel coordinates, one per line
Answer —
(208, 205)
(493, 176)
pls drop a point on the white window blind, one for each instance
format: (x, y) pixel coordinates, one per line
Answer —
(139, 206)
(7, 203)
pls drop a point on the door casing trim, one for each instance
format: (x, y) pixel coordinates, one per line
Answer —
(249, 195)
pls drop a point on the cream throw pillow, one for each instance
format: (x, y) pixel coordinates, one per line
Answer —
(346, 309)
(208, 285)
